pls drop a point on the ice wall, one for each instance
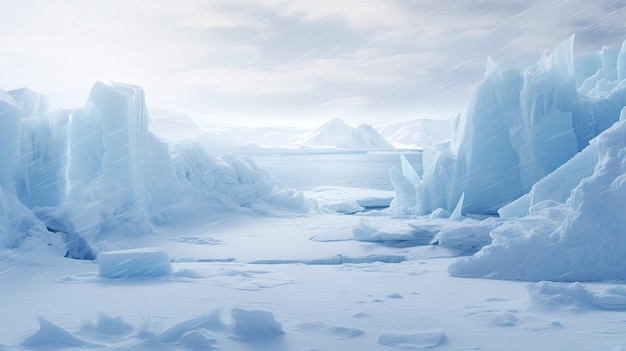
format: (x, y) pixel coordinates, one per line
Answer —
(73, 175)
(579, 239)
(10, 113)
(111, 150)
(40, 178)
(32, 103)
(520, 125)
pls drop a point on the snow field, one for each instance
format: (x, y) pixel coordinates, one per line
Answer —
(238, 304)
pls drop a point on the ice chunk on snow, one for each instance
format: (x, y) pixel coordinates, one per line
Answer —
(256, 323)
(394, 232)
(520, 125)
(413, 340)
(142, 262)
(347, 199)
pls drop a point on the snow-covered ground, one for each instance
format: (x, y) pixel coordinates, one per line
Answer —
(241, 282)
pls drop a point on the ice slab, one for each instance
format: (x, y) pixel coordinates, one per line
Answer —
(134, 263)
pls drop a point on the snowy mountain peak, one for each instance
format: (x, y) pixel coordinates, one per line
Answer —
(336, 133)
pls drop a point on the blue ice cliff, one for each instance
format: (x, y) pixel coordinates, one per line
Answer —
(520, 125)
(68, 175)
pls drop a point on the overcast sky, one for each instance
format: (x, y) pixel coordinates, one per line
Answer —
(290, 62)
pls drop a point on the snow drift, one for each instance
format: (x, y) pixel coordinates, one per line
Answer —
(520, 125)
(98, 168)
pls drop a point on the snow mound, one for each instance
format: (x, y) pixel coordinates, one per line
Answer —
(413, 340)
(418, 133)
(134, 263)
(106, 325)
(210, 322)
(554, 295)
(200, 339)
(256, 323)
(579, 240)
(520, 125)
(51, 335)
(339, 333)
(340, 135)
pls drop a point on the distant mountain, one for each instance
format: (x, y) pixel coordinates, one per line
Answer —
(336, 133)
(416, 133)
(172, 126)
(270, 137)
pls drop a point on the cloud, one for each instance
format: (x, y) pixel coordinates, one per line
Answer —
(289, 55)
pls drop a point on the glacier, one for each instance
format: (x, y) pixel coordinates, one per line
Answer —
(520, 125)
(68, 175)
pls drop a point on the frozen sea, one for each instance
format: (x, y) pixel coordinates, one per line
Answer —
(303, 170)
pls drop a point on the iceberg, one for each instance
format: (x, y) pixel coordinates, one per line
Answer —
(134, 263)
(10, 115)
(520, 125)
(580, 239)
(72, 174)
